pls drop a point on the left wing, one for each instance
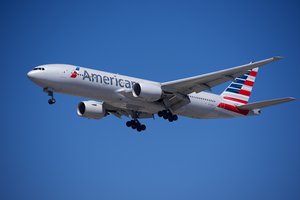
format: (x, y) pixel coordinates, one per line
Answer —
(209, 80)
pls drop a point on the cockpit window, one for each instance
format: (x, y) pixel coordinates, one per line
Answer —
(39, 68)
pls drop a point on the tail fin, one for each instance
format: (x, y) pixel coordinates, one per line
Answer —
(239, 91)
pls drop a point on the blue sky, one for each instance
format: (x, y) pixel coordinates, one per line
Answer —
(48, 152)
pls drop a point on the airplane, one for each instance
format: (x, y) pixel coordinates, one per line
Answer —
(119, 95)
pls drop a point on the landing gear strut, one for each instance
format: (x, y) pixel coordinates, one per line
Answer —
(50, 94)
(167, 115)
(135, 124)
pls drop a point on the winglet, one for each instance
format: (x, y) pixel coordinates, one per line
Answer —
(291, 98)
(277, 57)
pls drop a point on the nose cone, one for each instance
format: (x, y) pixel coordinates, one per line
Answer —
(30, 75)
(36, 76)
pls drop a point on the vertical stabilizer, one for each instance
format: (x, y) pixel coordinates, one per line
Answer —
(239, 91)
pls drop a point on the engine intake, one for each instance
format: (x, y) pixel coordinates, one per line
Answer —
(91, 109)
(148, 92)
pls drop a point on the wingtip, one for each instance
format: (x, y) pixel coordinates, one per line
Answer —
(277, 57)
(287, 99)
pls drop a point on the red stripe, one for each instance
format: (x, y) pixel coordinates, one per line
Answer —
(233, 108)
(237, 100)
(253, 73)
(249, 83)
(245, 92)
(74, 74)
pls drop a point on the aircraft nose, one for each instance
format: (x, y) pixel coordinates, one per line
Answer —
(30, 75)
(34, 75)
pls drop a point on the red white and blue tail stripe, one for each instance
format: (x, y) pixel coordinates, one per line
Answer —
(239, 91)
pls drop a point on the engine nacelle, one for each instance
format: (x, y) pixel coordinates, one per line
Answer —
(91, 109)
(148, 92)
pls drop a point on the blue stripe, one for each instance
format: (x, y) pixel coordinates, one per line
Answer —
(239, 81)
(244, 77)
(236, 86)
(232, 90)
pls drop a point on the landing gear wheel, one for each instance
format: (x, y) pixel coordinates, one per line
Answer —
(143, 127)
(51, 101)
(135, 124)
(167, 115)
(160, 114)
(128, 124)
(50, 94)
(175, 117)
(165, 112)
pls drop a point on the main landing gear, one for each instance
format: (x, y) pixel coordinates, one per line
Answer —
(50, 94)
(167, 115)
(135, 124)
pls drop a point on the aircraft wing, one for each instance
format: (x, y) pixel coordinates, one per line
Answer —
(262, 104)
(207, 81)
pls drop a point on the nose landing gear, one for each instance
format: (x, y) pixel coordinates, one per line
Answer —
(50, 94)
(135, 124)
(51, 101)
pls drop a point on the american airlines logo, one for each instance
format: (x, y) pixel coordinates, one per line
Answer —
(75, 73)
(107, 80)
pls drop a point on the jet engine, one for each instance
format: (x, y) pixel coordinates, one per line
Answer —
(148, 92)
(91, 109)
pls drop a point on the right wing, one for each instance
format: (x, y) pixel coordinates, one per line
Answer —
(176, 91)
(262, 104)
(207, 81)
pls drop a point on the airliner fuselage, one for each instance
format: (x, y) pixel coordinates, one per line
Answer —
(139, 98)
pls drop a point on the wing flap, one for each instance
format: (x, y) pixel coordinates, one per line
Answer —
(263, 104)
(176, 101)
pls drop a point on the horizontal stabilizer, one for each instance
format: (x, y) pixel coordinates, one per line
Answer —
(263, 104)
